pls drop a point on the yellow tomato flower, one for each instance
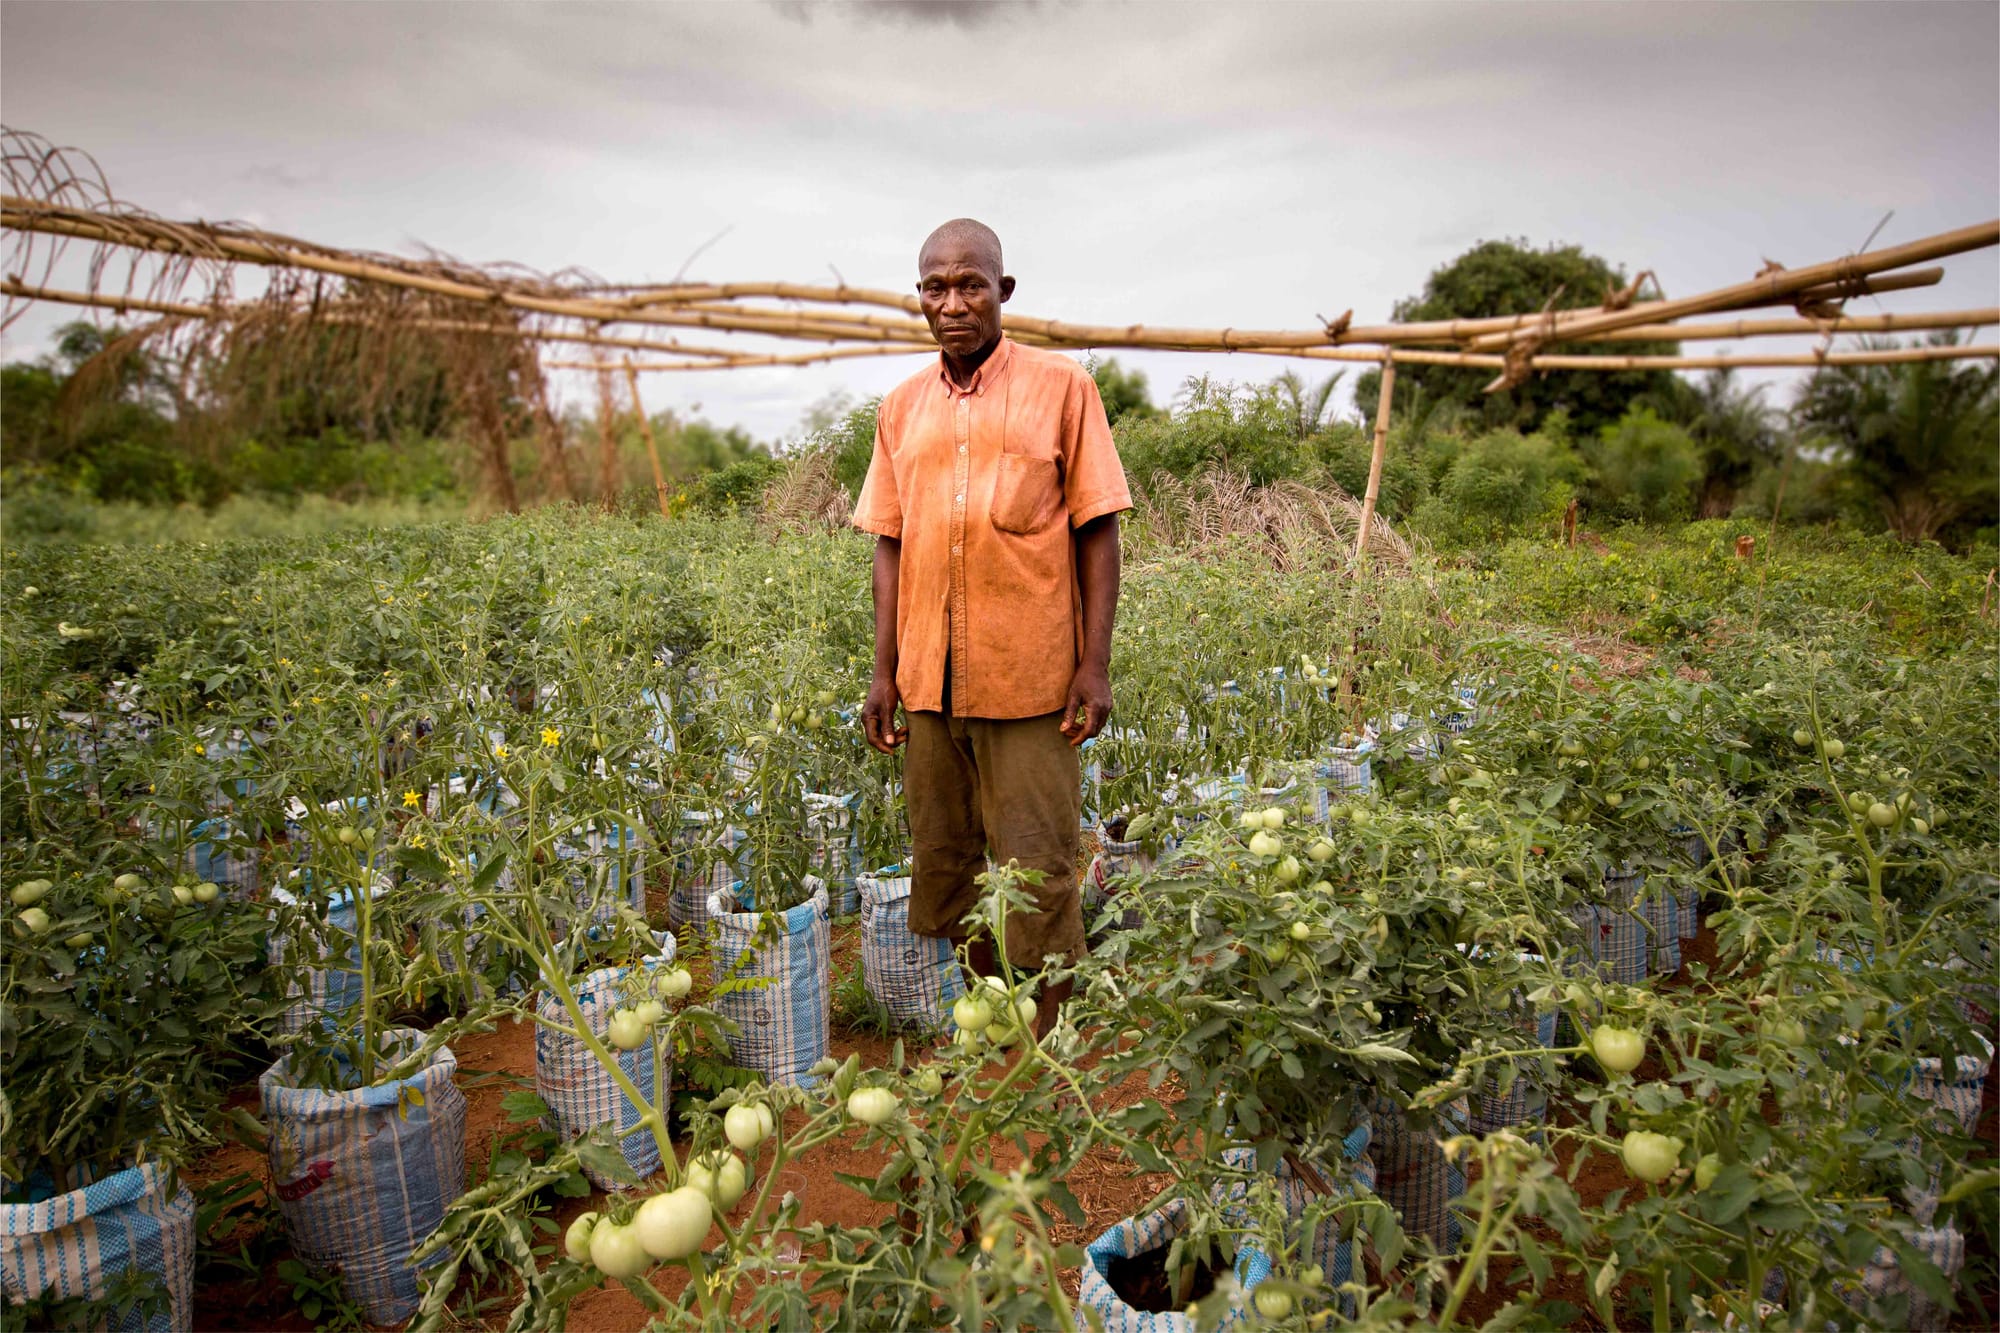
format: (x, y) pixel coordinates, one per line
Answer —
(412, 800)
(200, 749)
(551, 736)
(499, 752)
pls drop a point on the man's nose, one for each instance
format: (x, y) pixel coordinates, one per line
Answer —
(954, 301)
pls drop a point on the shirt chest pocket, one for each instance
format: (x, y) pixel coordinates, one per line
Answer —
(1027, 493)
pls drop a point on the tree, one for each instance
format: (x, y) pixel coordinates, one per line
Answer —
(1123, 391)
(1918, 440)
(1307, 407)
(1512, 278)
(1646, 468)
(1735, 430)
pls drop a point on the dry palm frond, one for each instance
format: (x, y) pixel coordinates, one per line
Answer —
(1295, 524)
(807, 495)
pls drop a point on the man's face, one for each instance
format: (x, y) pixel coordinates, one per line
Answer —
(961, 289)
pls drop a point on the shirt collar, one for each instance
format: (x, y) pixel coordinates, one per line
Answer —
(988, 374)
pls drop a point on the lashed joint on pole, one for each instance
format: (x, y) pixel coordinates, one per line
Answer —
(1374, 494)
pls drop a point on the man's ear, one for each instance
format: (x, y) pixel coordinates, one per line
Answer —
(1006, 288)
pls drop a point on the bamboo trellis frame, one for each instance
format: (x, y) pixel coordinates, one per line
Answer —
(56, 197)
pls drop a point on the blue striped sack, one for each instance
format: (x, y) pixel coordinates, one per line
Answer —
(1155, 1231)
(317, 994)
(70, 1245)
(363, 1176)
(1324, 1247)
(834, 848)
(580, 1092)
(716, 856)
(1412, 1175)
(783, 1025)
(914, 977)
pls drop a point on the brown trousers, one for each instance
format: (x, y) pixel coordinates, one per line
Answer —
(1011, 787)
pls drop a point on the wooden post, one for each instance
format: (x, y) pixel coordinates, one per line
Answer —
(1369, 500)
(607, 441)
(646, 430)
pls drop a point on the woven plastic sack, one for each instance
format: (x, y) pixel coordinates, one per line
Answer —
(605, 869)
(1694, 849)
(1342, 772)
(914, 977)
(1103, 883)
(1412, 1175)
(1494, 1110)
(363, 1176)
(1135, 1236)
(1325, 1247)
(783, 1027)
(1884, 1277)
(1615, 944)
(580, 1092)
(321, 994)
(72, 1245)
(835, 849)
(1661, 911)
(717, 864)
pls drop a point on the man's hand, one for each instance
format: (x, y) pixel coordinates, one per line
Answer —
(878, 715)
(1089, 695)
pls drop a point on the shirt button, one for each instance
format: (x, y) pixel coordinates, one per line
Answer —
(959, 498)
(961, 448)
(956, 550)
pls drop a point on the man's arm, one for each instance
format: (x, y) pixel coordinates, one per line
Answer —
(878, 715)
(1097, 579)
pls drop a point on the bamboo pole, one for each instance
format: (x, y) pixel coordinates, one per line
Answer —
(1375, 457)
(1768, 288)
(646, 429)
(607, 441)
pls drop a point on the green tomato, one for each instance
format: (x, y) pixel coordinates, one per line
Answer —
(1288, 870)
(1250, 819)
(80, 940)
(671, 1225)
(1802, 738)
(1275, 951)
(207, 891)
(971, 1013)
(33, 921)
(1650, 1157)
(29, 892)
(348, 835)
(576, 1240)
(183, 895)
(746, 1125)
(628, 1032)
(1707, 1169)
(1319, 886)
(1919, 826)
(1618, 1049)
(1311, 1275)
(1857, 802)
(1834, 749)
(1613, 799)
(1273, 1303)
(1570, 749)
(618, 1251)
(824, 698)
(128, 883)
(1321, 851)
(1642, 763)
(721, 1176)
(1266, 844)
(673, 984)
(871, 1106)
(650, 1011)
(1301, 931)
(1881, 814)
(1273, 818)
(928, 1081)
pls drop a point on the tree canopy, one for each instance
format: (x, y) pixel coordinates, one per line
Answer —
(1508, 278)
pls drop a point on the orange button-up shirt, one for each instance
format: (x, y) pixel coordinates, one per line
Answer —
(983, 486)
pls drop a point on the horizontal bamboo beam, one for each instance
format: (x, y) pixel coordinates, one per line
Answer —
(1417, 356)
(1773, 328)
(1767, 289)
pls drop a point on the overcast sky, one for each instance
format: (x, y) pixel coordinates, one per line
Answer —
(1240, 164)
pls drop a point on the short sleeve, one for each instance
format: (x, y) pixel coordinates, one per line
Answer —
(1094, 479)
(879, 509)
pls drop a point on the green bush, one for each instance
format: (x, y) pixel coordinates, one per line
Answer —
(1646, 468)
(1501, 483)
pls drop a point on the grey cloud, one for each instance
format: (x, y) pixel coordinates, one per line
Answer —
(966, 14)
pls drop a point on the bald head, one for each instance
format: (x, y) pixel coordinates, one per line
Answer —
(967, 236)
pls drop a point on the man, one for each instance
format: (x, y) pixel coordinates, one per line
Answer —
(994, 494)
